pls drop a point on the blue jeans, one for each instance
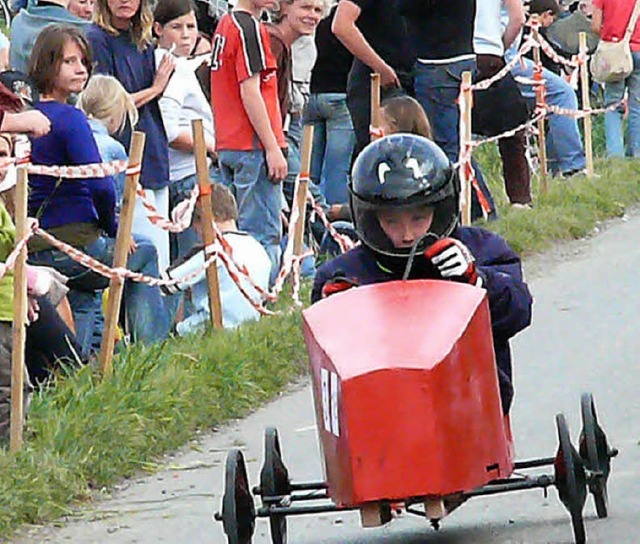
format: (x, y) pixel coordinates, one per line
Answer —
(437, 89)
(294, 145)
(147, 317)
(259, 200)
(185, 241)
(564, 144)
(613, 121)
(333, 141)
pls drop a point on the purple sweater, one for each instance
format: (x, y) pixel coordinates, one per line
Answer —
(57, 202)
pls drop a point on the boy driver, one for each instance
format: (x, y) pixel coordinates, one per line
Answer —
(405, 203)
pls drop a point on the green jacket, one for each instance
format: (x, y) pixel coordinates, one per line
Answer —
(7, 243)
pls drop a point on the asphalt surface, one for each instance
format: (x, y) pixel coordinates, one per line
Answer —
(585, 337)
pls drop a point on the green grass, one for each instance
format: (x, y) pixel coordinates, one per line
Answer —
(86, 433)
(570, 209)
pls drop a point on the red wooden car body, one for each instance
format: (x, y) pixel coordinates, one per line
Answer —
(406, 391)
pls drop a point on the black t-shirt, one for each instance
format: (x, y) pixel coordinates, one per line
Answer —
(440, 29)
(386, 31)
(334, 60)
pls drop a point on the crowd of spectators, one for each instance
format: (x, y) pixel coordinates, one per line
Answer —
(79, 76)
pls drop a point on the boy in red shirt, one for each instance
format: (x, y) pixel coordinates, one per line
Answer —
(248, 124)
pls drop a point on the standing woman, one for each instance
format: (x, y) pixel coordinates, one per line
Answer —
(183, 100)
(121, 42)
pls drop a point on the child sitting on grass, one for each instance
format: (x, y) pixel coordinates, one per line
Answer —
(247, 252)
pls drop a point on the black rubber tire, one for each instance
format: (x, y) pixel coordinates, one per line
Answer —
(238, 509)
(594, 450)
(274, 481)
(570, 479)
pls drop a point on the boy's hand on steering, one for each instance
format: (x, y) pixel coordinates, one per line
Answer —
(454, 261)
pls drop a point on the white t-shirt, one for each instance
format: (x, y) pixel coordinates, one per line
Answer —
(487, 37)
(181, 102)
(236, 309)
(304, 54)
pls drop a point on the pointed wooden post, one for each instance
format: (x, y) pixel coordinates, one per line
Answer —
(300, 200)
(206, 213)
(466, 104)
(19, 317)
(376, 119)
(123, 240)
(586, 104)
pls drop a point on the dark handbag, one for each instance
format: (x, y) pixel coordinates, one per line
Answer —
(499, 108)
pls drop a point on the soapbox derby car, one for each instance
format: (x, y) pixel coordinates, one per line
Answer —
(409, 417)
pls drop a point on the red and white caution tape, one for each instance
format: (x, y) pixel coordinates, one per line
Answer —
(579, 114)
(182, 214)
(10, 263)
(121, 273)
(97, 170)
(574, 62)
(344, 242)
(376, 132)
(508, 134)
(524, 49)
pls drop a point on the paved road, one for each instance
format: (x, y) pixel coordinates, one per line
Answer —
(585, 336)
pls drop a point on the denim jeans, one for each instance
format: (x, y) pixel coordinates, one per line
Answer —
(565, 152)
(437, 89)
(294, 145)
(613, 121)
(142, 226)
(333, 142)
(182, 242)
(259, 200)
(148, 319)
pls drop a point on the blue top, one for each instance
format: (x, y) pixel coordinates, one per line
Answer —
(118, 56)
(28, 24)
(70, 142)
(110, 150)
(509, 297)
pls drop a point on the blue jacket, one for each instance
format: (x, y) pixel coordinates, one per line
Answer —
(119, 57)
(28, 24)
(110, 150)
(59, 202)
(509, 298)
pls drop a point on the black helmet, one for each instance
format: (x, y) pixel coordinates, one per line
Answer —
(402, 170)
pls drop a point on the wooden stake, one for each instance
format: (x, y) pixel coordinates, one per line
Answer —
(300, 200)
(542, 137)
(123, 241)
(376, 119)
(207, 219)
(465, 139)
(586, 104)
(19, 317)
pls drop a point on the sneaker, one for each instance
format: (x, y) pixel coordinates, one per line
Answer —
(576, 172)
(521, 206)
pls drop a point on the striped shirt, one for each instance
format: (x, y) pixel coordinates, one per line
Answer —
(241, 49)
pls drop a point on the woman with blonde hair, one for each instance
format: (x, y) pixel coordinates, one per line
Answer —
(109, 107)
(121, 40)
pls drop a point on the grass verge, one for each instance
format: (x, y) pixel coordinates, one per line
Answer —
(569, 210)
(86, 433)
